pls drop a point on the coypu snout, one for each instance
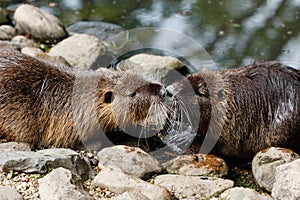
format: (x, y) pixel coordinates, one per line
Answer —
(144, 99)
(149, 89)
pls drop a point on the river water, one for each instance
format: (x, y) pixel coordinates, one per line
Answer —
(233, 32)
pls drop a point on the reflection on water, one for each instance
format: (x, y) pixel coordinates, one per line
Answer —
(233, 32)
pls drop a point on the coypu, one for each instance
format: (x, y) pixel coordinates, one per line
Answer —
(46, 105)
(243, 110)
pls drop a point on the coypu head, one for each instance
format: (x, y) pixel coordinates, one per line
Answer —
(201, 100)
(132, 104)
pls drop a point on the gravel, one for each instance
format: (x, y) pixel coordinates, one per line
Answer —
(28, 186)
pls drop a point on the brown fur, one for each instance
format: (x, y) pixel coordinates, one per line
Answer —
(46, 105)
(246, 109)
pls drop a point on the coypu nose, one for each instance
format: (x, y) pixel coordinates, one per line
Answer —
(167, 95)
(149, 88)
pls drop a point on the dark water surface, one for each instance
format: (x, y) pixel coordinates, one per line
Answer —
(233, 32)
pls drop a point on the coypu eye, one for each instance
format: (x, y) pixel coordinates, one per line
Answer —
(108, 97)
(221, 95)
(133, 94)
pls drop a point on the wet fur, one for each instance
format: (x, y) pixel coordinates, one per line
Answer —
(47, 105)
(247, 109)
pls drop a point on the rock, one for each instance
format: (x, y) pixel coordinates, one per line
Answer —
(9, 193)
(31, 51)
(131, 160)
(197, 165)
(39, 54)
(150, 66)
(239, 193)
(119, 182)
(287, 181)
(62, 184)
(81, 51)
(15, 146)
(40, 24)
(193, 187)
(5, 43)
(23, 41)
(7, 32)
(131, 195)
(102, 30)
(265, 162)
(44, 160)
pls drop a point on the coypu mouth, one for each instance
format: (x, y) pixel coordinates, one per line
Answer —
(177, 132)
(169, 120)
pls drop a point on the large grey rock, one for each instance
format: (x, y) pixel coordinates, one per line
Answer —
(81, 51)
(62, 184)
(287, 181)
(151, 66)
(40, 24)
(7, 32)
(9, 193)
(193, 187)
(23, 41)
(101, 30)
(15, 146)
(265, 162)
(43, 161)
(119, 182)
(131, 160)
(240, 193)
(197, 165)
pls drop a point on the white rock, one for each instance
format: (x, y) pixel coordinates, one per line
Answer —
(287, 181)
(62, 184)
(131, 160)
(9, 193)
(81, 51)
(193, 187)
(197, 165)
(150, 66)
(57, 61)
(7, 32)
(15, 146)
(31, 51)
(40, 24)
(23, 41)
(119, 182)
(240, 193)
(265, 162)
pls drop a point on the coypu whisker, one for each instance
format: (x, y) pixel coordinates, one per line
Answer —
(178, 131)
(43, 85)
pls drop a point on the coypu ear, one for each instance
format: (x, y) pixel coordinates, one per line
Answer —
(109, 97)
(198, 84)
(203, 92)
